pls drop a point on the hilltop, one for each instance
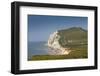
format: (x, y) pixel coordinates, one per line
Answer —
(72, 36)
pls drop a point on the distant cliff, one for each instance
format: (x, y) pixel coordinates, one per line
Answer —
(61, 40)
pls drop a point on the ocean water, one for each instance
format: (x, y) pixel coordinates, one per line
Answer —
(37, 48)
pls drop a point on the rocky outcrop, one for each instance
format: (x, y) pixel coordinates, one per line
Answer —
(53, 41)
(54, 45)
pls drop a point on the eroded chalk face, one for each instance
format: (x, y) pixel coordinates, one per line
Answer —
(55, 47)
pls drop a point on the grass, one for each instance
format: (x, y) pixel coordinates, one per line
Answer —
(78, 52)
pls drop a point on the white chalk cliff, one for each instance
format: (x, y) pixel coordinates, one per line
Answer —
(54, 45)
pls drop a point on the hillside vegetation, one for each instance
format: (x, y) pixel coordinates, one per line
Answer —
(73, 36)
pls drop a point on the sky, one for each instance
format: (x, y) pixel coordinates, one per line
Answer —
(41, 26)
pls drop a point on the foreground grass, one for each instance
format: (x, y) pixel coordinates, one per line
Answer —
(78, 52)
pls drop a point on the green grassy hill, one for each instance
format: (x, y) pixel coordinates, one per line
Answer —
(72, 36)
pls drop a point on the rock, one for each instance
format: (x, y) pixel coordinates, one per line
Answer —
(53, 41)
(54, 45)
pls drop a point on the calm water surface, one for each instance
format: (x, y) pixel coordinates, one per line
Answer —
(37, 48)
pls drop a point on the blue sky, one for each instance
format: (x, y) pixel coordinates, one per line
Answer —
(41, 26)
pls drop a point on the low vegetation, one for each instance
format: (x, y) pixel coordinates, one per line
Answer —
(78, 52)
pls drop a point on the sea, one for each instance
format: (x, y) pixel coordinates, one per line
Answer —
(37, 48)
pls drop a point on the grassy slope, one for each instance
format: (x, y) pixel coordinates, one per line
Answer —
(77, 35)
(77, 53)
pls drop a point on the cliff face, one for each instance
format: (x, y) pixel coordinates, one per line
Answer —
(60, 40)
(53, 41)
(54, 45)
